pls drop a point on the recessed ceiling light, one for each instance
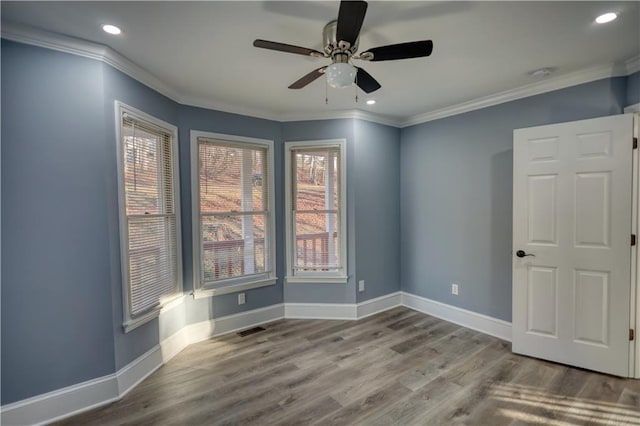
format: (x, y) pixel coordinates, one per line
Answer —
(371, 101)
(607, 17)
(111, 29)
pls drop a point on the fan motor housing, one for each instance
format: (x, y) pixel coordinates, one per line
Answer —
(331, 44)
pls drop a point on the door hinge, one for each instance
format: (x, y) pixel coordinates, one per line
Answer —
(635, 143)
(633, 239)
(632, 334)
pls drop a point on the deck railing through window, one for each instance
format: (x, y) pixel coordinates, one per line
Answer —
(228, 261)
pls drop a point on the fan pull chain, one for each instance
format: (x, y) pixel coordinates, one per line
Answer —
(326, 92)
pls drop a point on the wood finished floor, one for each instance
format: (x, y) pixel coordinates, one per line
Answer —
(399, 367)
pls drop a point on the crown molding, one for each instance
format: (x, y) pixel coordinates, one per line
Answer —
(213, 104)
(548, 85)
(62, 43)
(633, 64)
(86, 49)
(332, 115)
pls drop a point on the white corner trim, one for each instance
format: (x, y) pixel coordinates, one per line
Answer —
(174, 344)
(379, 304)
(633, 64)
(228, 324)
(548, 85)
(473, 320)
(632, 108)
(139, 369)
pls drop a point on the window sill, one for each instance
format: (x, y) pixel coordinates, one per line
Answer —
(134, 323)
(166, 305)
(235, 288)
(334, 279)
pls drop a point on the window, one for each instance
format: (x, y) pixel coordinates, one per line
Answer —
(149, 214)
(316, 216)
(233, 221)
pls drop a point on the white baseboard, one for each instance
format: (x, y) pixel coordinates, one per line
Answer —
(61, 403)
(342, 311)
(139, 369)
(473, 320)
(75, 399)
(329, 311)
(379, 304)
(174, 344)
(224, 325)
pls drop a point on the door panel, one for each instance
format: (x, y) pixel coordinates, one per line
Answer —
(592, 209)
(542, 308)
(591, 318)
(572, 211)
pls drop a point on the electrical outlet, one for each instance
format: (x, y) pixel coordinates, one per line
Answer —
(241, 299)
(361, 285)
(454, 289)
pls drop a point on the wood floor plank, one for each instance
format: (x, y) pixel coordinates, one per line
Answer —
(376, 401)
(308, 413)
(399, 367)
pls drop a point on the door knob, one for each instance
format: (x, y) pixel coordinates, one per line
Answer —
(521, 253)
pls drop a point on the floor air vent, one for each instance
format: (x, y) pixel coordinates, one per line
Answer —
(249, 331)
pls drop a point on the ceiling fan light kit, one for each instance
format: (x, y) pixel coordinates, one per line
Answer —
(340, 44)
(340, 75)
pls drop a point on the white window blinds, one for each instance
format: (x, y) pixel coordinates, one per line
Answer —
(234, 211)
(150, 211)
(316, 208)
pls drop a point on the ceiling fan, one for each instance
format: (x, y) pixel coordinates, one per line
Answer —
(340, 40)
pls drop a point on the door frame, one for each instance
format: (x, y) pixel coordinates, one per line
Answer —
(634, 299)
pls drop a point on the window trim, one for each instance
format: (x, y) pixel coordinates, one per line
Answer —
(237, 284)
(339, 276)
(131, 322)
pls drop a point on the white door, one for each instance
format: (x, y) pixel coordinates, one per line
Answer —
(572, 223)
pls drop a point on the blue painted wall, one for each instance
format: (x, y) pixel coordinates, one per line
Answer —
(377, 208)
(633, 89)
(456, 194)
(321, 130)
(118, 86)
(56, 284)
(193, 118)
(447, 210)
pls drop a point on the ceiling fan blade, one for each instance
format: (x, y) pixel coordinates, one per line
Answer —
(367, 83)
(350, 19)
(312, 76)
(413, 49)
(281, 47)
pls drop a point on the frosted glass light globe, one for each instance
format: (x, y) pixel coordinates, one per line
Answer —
(340, 75)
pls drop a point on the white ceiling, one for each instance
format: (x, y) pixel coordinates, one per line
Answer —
(203, 50)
